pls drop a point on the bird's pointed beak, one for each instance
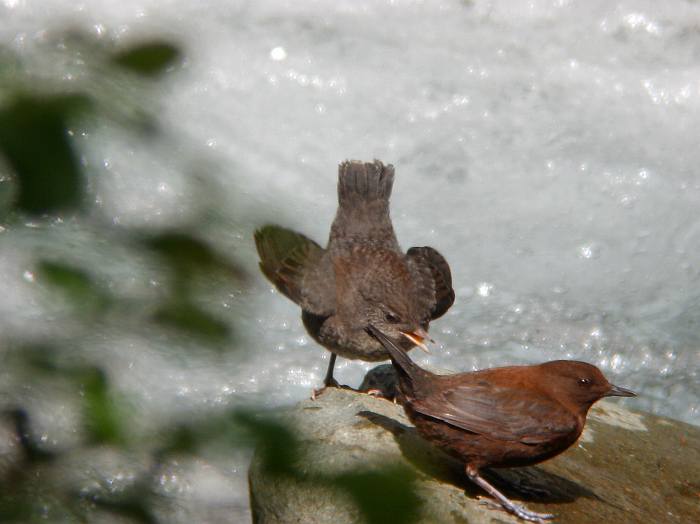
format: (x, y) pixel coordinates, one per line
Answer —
(417, 336)
(617, 391)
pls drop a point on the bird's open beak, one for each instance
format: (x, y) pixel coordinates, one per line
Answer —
(617, 391)
(417, 336)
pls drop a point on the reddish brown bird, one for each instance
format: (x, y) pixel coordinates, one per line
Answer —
(501, 417)
(362, 277)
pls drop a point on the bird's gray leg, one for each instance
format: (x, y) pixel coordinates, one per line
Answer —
(515, 509)
(329, 381)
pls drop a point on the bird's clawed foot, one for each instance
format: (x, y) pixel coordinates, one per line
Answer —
(531, 516)
(485, 501)
(333, 383)
(506, 504)
(378, 393)
(375, 393)
(317, 392)
(517, 510)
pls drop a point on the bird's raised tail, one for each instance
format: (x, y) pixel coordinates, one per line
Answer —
(363, 182)
(409, 372)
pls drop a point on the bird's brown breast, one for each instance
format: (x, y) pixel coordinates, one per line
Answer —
(352, 342)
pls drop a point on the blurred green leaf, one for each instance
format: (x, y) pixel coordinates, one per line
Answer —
(277, 444)
(192, 320)
(148, 59)
(15, 507)
(183, 250)
(32, 451)
(75, 284)
(202, 429)
(46, 175)
(181, 439)
(39, 357)
(34, 141)
(103, 418)
(135, 504)
(187, 254)
(384, 495)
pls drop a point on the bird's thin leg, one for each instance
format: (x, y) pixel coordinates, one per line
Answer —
(511, 507)
(329, 381)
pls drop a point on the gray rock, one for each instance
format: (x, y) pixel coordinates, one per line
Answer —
(628, 466)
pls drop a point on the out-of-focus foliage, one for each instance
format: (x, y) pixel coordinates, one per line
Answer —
(78, 287)
(102, 414)
(193, 320)
(39, 123)
(383, 495)
(185, 254)
(36, 145)
(150, 58)
(42, 157)
(275, 442)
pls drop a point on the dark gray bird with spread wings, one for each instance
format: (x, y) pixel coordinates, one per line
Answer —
(362, 277)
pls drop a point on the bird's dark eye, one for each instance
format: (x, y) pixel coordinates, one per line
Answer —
(584, 381)
(393, 319)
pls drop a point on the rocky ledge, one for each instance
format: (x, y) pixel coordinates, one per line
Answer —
(628, 466)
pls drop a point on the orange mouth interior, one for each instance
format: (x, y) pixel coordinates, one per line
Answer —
(416, 339)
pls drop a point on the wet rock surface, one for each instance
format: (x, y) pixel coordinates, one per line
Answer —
(628, 466)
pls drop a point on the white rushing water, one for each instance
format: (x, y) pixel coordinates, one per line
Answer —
(547, 148)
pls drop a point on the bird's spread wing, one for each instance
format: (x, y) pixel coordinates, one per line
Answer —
(502, 413)
(434, 279)
(297, 267)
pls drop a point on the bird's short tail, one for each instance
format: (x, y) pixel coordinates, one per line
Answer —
(409, 372)
(363, 182)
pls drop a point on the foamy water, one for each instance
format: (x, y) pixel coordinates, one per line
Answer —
(547, 149)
